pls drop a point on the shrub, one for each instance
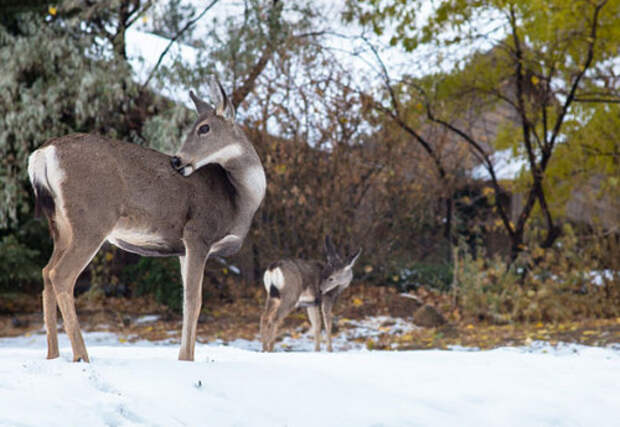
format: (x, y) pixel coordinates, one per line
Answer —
(19, 264)
(567, 281)
(159, 277)
(437, 276)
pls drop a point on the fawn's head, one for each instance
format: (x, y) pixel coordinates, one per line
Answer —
(338, 271)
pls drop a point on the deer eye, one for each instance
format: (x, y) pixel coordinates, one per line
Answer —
(203, 129)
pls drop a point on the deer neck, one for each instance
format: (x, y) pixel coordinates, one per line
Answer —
(247, 175)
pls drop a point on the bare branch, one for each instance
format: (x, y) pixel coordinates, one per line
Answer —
(186, 27)
(141, 12)
(571, 95)
(384, 72)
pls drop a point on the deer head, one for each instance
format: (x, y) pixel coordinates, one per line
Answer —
(214, 137)
(338, 271)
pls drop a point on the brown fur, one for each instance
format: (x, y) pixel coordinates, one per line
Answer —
(314, 285)
(133, 197)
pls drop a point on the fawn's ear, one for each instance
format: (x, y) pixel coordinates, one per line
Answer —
(330, 251)
(353, 258)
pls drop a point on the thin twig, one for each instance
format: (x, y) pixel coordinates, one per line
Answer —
(174, 39)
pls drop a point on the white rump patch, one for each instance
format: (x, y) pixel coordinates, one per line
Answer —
(44, 169)
(273, 277)
(221, 156)
(36, 167)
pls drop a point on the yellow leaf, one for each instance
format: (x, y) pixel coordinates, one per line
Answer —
(470, 326)
(535, 80)
(122, 340)
(588, 333)
(52, 10)
(109, 256)
(145, 19)
(357, 302)
(539, 325)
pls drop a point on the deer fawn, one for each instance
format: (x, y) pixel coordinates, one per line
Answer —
(292, 283)
(194, 205)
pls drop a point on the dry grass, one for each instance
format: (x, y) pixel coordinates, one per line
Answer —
(239, 319)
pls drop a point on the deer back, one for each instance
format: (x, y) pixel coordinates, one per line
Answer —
(294, 281)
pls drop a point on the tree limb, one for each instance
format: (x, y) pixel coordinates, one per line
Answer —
(188, 25)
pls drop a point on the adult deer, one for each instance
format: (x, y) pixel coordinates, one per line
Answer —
(292, 283)
(196, 204)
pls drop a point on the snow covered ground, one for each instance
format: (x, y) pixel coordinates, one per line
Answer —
(143, 384)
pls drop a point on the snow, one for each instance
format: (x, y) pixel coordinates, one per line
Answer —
(150, 318)
(344, 340)
(143, 51)
(143, 384)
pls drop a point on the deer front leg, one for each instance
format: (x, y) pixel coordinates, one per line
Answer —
(192, 271)
(326, 307)
(315, 320)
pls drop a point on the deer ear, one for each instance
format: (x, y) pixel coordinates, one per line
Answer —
(330, 251)
(353, 258)
(201, 106)
(223, 105)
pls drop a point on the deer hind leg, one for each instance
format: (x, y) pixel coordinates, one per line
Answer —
(314, 314)
(269, 324)
(326, 307)
(49, 303)
(192, 271)
(62, 276)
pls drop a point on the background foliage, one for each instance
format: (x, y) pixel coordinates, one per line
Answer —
(382, 160)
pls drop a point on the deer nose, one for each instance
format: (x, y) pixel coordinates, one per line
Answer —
(175, 162)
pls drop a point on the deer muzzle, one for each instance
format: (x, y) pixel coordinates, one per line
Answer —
(178, 166)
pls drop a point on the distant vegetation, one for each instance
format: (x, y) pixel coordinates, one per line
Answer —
(378, 158)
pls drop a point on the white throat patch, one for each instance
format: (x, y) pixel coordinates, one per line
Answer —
(221, 156)
(254, 180)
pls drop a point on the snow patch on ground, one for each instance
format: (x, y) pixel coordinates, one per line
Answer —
(149, 318)
(143, 384)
